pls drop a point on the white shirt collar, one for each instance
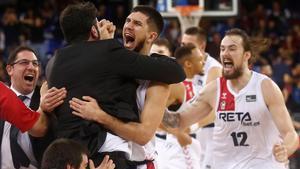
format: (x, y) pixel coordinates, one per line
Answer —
(18, 93)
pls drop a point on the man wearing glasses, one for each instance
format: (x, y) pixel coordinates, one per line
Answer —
(23, 68)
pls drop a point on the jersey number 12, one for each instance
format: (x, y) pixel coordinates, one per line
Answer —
(239, 138)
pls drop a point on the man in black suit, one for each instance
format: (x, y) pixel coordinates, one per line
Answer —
(23, 69)
(103, 69)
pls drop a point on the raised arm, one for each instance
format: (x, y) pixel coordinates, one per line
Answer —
(275, 102)
(140, 133)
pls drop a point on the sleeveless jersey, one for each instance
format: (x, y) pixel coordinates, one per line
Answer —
(244, 132)
(146, 152)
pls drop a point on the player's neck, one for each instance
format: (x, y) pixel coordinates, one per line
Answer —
(188, 73)
(240, 82)
(145, 50)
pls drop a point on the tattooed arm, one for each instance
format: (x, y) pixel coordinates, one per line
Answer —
(196, 111)
(171, 119)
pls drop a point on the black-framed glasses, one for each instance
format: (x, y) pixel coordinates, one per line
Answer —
(26, 62)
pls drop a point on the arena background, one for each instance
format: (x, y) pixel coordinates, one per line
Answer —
(35, 23)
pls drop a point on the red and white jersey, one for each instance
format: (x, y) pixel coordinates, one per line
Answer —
(244, 132)
(190, 89)
(198, 80)
(146, 152)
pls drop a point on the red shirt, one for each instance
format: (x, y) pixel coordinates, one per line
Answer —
(14, 111)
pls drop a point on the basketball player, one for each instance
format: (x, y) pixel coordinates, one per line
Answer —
(212, 70)
(141, 28)
(253, 128)
(176, 149)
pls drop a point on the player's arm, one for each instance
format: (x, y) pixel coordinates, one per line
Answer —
(141, 133)
(213, 74)
(194, 112)
(14, 111)
(177, 94)
(275, 103)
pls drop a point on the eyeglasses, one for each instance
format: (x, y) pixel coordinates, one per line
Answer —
(26, 62)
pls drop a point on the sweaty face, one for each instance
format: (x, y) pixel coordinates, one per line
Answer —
(197, 60)
(135, 31)
(24, 72)
(232, 56)
(163, 50)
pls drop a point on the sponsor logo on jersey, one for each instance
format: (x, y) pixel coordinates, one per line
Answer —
(250, 98)
(235, 116)
(243, 117)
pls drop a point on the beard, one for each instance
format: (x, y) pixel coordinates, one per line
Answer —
(140, 45)
(236, 73)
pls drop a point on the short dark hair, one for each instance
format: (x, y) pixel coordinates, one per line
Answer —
(183, 52)
(63, 152)
(13, 55)
(155, 19)
(253, 45)
(163, 42)
(197, 31)
(76, 21)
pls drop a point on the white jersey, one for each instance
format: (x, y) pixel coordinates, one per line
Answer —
(204, 135)
(244, 132)
(146, 152)
(198, 80)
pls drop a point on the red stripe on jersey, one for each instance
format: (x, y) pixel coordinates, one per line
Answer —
(226, 101)
(189, 88)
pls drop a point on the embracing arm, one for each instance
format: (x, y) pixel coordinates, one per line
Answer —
(140, 133)
(275, 102)
(50, 99)
(155, 68)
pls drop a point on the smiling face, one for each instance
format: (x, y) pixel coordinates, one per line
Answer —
(24, 72)
(233, 57)
(136, 32)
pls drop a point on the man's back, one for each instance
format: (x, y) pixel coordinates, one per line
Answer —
(105, 71)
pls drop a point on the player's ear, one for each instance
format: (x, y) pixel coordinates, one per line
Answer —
(153, 36)
(247, 55)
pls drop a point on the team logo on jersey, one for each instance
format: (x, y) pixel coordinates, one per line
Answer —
(223, 105)
(224, 96)
(251, 98)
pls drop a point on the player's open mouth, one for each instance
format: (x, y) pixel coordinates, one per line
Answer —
(228, 64)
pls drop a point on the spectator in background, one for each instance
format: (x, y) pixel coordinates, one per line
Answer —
(266, 69)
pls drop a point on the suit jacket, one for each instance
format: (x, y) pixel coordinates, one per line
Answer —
(106, 71)
(40, 144)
